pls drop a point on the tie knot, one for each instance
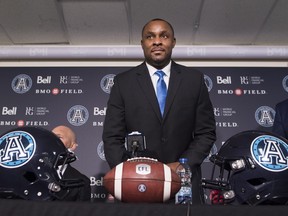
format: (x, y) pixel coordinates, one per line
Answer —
(160, 73)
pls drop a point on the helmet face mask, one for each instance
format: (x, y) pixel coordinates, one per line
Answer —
(30, 165)
(253, 169)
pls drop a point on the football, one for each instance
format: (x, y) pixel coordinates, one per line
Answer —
(142, 180)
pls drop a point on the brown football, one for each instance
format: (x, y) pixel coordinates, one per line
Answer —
(142, 180)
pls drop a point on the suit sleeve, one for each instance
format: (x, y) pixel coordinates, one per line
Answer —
(204, 129)
(278, 127)
(114, 130)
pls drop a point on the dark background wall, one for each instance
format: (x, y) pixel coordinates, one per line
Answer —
(244, 98)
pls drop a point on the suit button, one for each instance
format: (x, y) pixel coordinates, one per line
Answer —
(163, 139)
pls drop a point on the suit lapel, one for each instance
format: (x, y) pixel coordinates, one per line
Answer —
(175, 80)
(145, 83)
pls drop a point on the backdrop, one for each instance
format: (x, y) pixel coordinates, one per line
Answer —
(244, 98)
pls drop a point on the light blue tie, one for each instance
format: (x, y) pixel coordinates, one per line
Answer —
(161, 90)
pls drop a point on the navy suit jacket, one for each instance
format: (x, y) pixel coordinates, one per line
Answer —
(280, 125)
(187, 128)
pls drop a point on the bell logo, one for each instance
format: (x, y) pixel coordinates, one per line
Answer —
(98, 111)
(42, 80)
(7, 111)
(221, 80)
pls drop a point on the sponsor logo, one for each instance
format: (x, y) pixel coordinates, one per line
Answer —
(96, 182)
(116, 51)
(38, 51)
(227, 124)
(21, 84)
(223, 80)
(276, 51)
(107, 82)
(43, 80)
(254, 80)
(98, 196)
(264, 116)
(143, 169)
(98, 111)
(70, 79)
(77, 115)
(196, 51)
(56, 91)
(270, 153)
(37, 111)
(21, 123)
(240, 92)
(8, 123)
(227, 112)
(7, 111)
(97, 124)
(16, 149)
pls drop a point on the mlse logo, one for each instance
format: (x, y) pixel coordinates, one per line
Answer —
(225, 80)
(7, 111)
(43, 80)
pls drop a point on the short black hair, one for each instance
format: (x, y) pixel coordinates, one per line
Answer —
(157, 19)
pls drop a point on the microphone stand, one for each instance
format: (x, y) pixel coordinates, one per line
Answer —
(135, 146)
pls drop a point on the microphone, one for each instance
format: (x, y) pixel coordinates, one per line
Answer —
(135, 145)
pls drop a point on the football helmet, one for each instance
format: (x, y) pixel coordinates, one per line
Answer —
(253, 169)
(31, 160)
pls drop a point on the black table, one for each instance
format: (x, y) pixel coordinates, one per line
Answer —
(57, 208)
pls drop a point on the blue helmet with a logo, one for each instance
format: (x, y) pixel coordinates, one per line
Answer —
(253, 169)
(31, 159)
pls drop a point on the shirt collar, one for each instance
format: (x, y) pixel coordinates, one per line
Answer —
(166, 69)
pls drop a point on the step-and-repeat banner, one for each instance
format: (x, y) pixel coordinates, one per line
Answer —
(244, 98)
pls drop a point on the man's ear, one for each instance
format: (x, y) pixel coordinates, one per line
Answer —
(174, 42)
(73, 146)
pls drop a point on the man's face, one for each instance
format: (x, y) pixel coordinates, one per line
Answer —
(157, 43)
(66, 136)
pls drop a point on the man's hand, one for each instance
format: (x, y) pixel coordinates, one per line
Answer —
(173, 166)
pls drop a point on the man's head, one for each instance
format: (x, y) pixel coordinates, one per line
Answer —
(67, 136)
(157, 42)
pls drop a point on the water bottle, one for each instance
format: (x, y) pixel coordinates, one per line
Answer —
(184, 195)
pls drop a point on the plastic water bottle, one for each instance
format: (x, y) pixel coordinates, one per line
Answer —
(184, 195)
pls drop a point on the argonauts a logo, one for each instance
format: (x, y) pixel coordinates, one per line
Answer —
(208, 82)
(264, 116)
(21, 83)
(16, 149)
(107, 82)
(270, 152)
(77, 115)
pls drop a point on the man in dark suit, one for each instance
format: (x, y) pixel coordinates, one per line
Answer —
(187, 127)
(280, 125)
(76, 193)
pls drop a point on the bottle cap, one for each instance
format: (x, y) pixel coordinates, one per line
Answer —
(183, 160)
